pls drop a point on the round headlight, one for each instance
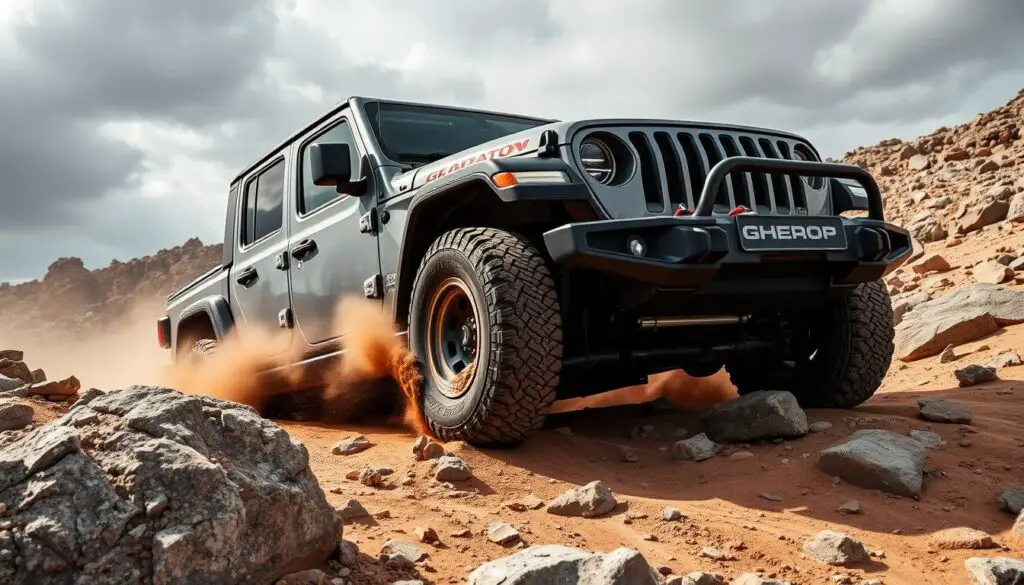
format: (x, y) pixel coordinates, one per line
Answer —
(801, 153)
(598, 160)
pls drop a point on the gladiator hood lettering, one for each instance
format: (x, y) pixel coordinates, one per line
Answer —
(510, 149)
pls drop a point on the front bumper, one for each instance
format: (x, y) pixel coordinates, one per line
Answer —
(695, 251)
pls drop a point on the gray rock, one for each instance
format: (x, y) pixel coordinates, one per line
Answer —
(966, 314)
(961, 538)
(929, 439)
(755, 579)
(451, 468)
(7, 384)
(670, 514)
(905, 302)
(756, 416)
(554, 563)
(698, 578)
(501, 533)
(409, 550)
(1012, 500)
(1007, 358)
(696, 448)
(819, 426)
(835, 548)
(351, 445)
(424, 448)
(588, 501)
(1018, 527)
(14, 415)
(877, 459)
(15, 369)
(240, 502)
(15, 355)
(351, 510)
(942, 411)
(974, 374)
(995, 570)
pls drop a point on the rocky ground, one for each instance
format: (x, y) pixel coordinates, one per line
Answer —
(922, 484)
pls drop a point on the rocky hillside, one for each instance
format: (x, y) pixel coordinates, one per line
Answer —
(954, 181)
(70, 298)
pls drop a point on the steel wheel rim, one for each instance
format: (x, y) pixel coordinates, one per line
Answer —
(453, 341)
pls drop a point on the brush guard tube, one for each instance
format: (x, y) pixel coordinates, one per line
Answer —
(695, 251)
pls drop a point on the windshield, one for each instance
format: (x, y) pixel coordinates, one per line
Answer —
(421, 134)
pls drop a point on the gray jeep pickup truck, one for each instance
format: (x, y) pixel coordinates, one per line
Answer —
(527, 259)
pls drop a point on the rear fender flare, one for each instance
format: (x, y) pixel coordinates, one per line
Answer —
(215, 309)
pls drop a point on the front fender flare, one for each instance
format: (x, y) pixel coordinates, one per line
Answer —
(451, 190)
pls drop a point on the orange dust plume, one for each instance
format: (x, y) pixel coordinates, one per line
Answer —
(375, 362)
(377, 379)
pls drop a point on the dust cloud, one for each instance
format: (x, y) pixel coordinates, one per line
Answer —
(376, 380)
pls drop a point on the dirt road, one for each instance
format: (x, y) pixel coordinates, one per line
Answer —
(724, 499)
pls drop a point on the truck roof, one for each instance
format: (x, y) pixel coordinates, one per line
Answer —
(354, 102)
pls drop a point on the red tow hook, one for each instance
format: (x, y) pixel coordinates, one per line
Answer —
(741, 210)
(682, 211)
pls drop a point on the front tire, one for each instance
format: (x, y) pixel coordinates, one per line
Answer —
(847, 349)
(485, 322)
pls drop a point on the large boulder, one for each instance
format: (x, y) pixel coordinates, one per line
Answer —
(554, 563)
(995, 570)
(756, 416)
(149, 485)
(962, 316)
(879, 460)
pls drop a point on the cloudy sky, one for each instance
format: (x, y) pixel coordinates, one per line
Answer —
(121, 122)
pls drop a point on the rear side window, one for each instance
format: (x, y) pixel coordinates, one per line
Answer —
(264, 195)
(314, 197)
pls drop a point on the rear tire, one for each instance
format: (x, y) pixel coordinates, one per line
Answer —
(852, 345)
(204, 348)
(485, 322)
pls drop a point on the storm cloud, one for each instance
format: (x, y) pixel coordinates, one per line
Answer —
(121, 123)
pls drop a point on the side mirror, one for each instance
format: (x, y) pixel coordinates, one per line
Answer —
(330, 164)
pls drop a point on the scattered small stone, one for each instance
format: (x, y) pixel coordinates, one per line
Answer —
(770, 497)
(974, 374)
(877, 459)
(696, 448)
(407, 549)
(591, 500)
(555, 563)
(14, 415)
(351, 510)
(849, 507)
(835, 548)
(947, 355)
(740, 455)
(463, 533)
(426, 534)
(995, 570)
(760, 415)
(930, 440)
(1006, 359)
(351, 445)
(696, 578)
(642, 432)
(819, 426)
(961, 538)
(451, 468)
(425, 448)
(756, 579)
(715, 554)
(942, 411)
(1012, 500)
(669, 514)
(307, 577)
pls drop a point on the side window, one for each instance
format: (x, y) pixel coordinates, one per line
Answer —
(314, 197)
(264, 196)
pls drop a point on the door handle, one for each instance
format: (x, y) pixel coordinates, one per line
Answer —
(304, 249)
(247, 277)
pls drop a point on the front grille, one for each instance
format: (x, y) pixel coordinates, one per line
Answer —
(674, 164)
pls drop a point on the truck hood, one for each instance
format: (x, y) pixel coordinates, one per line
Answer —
(525, 143)
(519, 144)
